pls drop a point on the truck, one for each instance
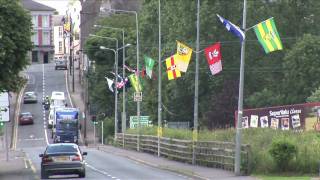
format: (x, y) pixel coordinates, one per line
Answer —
(66, 125)
(296, 117)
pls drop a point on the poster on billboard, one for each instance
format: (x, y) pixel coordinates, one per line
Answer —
(274, 123)
(254, 121)
(298, 117)
(245, 122)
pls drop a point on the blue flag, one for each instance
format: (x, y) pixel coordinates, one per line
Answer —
(232, 28)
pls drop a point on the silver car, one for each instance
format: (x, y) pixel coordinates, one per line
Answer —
(30, 97)
(61, 159)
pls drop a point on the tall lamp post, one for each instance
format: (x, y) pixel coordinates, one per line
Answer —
(137, 34)
(123, 128)
(116, 90)
(115, 51)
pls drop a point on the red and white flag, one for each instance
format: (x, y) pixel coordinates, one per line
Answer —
(213, 55)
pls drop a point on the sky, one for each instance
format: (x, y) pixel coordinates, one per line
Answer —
(59, 5)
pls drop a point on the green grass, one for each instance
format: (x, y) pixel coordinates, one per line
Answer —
(283, 177)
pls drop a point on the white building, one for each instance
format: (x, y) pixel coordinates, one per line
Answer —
(58, 36)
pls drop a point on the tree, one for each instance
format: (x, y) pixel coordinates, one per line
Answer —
(301, 64)
(15, 42)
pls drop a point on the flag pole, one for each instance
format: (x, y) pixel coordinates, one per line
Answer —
(159, 82)
(240, 99)
(196, 89)
(257, 24)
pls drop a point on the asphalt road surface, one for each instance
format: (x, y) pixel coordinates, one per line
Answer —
(32, 139)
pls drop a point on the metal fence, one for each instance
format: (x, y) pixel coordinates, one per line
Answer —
(207, 153)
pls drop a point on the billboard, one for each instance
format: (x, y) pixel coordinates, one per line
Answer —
(295, 117)
(4, 107)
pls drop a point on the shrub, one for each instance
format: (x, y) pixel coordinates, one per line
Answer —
(282, 152)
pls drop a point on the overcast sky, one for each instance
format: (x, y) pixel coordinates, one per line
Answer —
(59, 5)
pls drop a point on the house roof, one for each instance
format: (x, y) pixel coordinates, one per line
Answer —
(35, 6)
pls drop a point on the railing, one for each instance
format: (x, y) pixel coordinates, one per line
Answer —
(207, 153)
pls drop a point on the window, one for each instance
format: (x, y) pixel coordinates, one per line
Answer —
(60, 46)
(45, 38)
(45, 21)
(34, 38)
(60, 32)
(35, 20)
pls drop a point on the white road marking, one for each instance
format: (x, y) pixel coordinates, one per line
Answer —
(100, 171)
(44, 113)
(33, 139)
(66, 75)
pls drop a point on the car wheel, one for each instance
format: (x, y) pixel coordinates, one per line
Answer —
(82, 174)
(44, 175)
(55, 68)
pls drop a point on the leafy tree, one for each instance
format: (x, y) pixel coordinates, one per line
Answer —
(301, 65)
(15, 42)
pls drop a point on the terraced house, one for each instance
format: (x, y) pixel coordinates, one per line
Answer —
(42, 37)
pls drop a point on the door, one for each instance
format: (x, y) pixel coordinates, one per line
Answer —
(45, 58)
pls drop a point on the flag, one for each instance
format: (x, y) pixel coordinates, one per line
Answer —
(213, 55)
(120, 81)
(268, 36)
(183, 56)
(110, 84)
(149, 63)
(172, 70)
(232, 28)
(135, 82)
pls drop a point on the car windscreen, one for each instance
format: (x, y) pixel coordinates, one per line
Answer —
(62, 149)
(67, 125)
(26, 115)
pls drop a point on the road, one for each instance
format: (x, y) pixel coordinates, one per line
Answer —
(32, 139)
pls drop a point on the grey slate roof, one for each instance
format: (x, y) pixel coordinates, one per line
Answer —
(35, 6)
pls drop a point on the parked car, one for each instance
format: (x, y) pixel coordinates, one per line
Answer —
(25, 118)
(61, 159)
(30, 97)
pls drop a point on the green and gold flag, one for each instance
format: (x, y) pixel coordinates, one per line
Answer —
(268, 36)
(135, 82)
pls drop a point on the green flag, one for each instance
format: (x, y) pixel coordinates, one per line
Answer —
(135, 82)
(149, 63)
(268, 36)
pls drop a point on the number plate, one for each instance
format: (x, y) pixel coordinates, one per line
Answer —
(62, 158)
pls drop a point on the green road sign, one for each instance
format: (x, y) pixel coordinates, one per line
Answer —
(144, 121)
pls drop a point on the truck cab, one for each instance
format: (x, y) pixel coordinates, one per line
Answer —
(66, 129)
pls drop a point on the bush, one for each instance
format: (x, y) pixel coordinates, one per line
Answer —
(282, 152)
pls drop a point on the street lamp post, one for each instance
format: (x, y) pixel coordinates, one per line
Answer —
(116, 82)
(123, 128)
(137, 34)
(115, 51)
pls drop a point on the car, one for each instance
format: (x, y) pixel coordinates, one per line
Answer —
(62, 159)
(61, 63)
(30, 97)
(25, 118)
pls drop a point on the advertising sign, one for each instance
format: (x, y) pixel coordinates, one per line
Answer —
(4, 107)
(295, 117)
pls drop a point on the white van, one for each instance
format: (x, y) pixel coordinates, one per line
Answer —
(51, 118)
(58, 99)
